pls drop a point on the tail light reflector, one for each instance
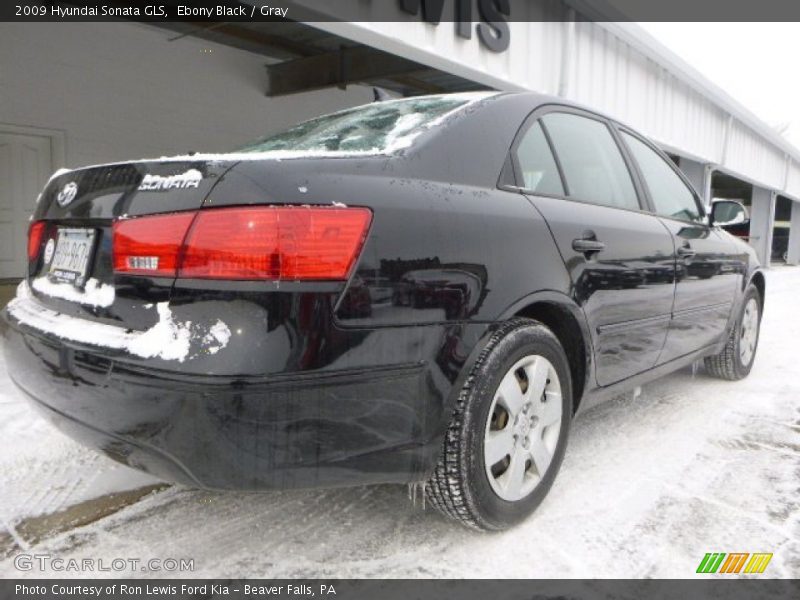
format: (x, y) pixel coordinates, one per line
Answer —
(150, 245)
(35, 235)
(276, 243)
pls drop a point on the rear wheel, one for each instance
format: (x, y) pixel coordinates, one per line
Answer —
(736, 359)
(509, 431)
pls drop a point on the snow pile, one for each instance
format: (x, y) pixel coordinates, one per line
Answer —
(25, 309)
(94, 293)
(169, 339)
(217, 337)
(166, 339)
(405, 131)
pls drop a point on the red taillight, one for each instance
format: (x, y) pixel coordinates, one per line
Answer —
(276, 243)
(35, 234)
(150, 245)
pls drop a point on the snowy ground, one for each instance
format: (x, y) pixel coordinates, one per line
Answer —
(648, 486)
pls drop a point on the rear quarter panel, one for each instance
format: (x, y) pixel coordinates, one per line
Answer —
(445, 244)
(436, 251)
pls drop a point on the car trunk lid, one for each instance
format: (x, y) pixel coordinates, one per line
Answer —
(71, 264)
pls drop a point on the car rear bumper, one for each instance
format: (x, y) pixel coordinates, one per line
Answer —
(369, 423)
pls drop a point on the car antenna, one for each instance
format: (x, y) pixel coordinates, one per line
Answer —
(380, 94)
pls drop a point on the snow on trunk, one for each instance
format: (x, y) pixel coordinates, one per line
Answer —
(168, 339)
(94, 293)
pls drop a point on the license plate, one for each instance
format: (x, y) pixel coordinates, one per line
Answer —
(71, 258)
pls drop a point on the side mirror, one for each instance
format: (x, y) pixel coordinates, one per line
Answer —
(727, 212)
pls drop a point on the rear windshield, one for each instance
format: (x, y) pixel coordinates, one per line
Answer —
(379, 128)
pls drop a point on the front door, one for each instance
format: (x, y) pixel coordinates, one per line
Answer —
(620, 258)
(25, 164)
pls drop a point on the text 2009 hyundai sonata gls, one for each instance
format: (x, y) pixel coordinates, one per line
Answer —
(418, 290)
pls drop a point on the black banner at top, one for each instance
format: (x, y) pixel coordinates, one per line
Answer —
(432, 11)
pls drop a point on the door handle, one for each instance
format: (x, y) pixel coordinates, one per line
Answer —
(686, 251)
(587, 245)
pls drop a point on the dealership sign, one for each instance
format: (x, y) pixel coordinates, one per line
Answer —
(493, 31)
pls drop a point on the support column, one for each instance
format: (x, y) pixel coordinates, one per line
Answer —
(699, 174)
(793, 257)
(762, 221)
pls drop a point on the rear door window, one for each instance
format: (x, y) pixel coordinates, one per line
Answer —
(593, 166)
(670, 195)
(537, 167)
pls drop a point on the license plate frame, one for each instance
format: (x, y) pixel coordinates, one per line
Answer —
(72, 258)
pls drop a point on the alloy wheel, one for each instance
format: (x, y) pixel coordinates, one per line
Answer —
(523, 427)
(749, 332)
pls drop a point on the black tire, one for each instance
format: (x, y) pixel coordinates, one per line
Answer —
(728, 364)
(459, 486)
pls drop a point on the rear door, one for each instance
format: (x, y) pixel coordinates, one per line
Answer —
(708, 268)
(620, 257)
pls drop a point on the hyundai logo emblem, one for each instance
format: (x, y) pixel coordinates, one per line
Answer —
(67, 194)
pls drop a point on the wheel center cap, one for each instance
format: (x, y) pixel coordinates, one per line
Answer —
(524, 426)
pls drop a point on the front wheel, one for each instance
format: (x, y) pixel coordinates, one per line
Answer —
(736, 359)
(508, 434)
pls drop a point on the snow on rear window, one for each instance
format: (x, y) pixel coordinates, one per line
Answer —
(379, 128)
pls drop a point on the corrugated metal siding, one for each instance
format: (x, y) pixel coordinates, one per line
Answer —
(602, 71)
(750, 155)
(608, 74)
(793, 179)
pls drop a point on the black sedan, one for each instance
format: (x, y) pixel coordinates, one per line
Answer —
(418, 291)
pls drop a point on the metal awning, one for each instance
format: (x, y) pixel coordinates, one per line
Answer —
(304, 58)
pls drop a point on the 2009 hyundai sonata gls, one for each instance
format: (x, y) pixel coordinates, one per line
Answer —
(417, 290)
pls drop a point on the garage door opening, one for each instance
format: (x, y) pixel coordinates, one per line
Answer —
(781, 230)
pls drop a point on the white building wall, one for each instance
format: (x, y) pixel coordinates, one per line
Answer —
(122, 91)
(160, 97)
(611, 76)
(612, 67)
(793, 179)
(749, 155)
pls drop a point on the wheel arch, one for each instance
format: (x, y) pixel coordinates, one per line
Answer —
(758, 280)
(566, 320)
